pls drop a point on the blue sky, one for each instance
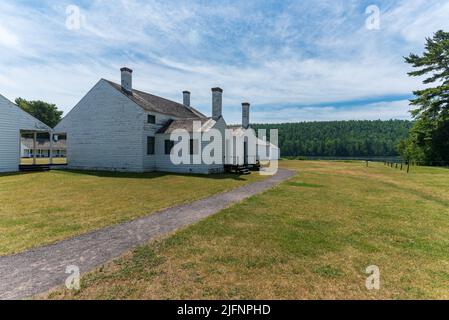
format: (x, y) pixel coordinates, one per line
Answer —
(293, 60)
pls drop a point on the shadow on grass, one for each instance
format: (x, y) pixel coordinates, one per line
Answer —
(9, 174)
(153, 175)
(132, 175)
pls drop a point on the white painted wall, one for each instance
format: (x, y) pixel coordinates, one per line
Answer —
(149, 130)
(24, 150)
(105, 131)
(12, 120)
(108, 131)
(235, 148)
(164, 163)
(275, 153)
(267, 151)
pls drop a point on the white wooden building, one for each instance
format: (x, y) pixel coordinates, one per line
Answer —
(118, 128)
(241, 153)
(13, 122)
(263, 151)
(267, 151)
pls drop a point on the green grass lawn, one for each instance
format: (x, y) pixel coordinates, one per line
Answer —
(40, 208)
(310, 238)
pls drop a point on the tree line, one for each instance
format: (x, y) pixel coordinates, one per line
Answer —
(356, 138)
(333, 138)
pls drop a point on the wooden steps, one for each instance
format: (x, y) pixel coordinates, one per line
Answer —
(243, 170)
(238, 169)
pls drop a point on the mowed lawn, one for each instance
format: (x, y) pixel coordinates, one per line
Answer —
(41, 208)
(312, 237)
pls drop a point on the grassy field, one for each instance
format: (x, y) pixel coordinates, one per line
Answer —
(310, 238)
(25, 161)
(40, 208)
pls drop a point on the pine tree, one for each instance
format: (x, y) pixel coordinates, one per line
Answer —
(429, 137)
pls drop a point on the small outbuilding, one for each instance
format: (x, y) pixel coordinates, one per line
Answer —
(13, 123)
(267, 151)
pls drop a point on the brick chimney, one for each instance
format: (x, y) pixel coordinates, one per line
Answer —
(245, 115)
(127, 79)
(217, 103)
(186, 98)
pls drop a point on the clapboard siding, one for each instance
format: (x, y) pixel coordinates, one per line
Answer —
(235, 147)
(164, 163)
(108, 131)
(267, 152)
(12, 120)
(105, 131)
(149, 130)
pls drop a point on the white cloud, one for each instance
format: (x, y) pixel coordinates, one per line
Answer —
(305, 53)
(415, 20)
(374, 111)
(7, 38)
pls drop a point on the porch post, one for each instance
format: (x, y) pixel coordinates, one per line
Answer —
(51, 147)
(34, 147)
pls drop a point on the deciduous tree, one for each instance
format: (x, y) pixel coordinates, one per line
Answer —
(46, 112)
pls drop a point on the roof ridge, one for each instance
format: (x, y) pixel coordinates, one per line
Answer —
(139, 96)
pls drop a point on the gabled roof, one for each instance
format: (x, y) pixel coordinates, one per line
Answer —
(187, 124)
(16, 114)
(153, 103)
(237, 130)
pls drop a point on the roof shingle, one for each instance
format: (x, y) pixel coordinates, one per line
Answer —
(157, 104)
(186, 124)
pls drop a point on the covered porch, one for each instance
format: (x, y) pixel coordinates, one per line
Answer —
(42, 150)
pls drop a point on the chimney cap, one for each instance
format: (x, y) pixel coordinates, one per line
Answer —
(126, 69)
(186, 92)
(217, 89)
(246, 104)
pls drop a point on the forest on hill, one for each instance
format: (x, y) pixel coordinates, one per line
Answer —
(355, 138)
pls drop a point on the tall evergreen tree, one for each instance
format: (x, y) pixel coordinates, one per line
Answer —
(429, 137)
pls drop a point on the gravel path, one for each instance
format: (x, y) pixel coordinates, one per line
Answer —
(38, 270)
